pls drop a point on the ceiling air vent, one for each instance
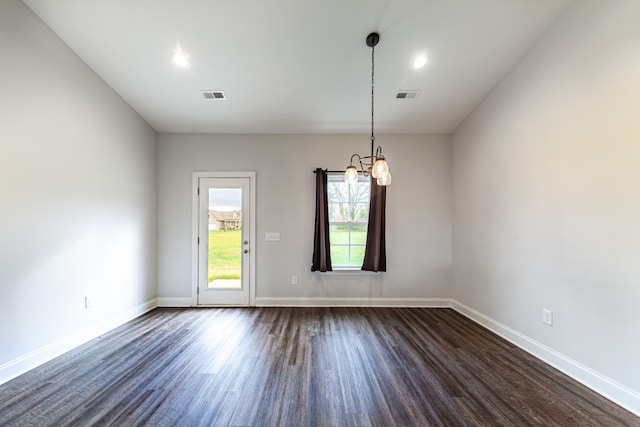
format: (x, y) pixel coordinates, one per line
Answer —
(214, 94)
(407, 94)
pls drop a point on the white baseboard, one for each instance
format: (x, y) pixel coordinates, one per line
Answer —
(174, 302)
(352, 302)
(617, 393)
(22, 364)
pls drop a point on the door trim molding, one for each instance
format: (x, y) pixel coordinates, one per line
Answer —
(195, 179)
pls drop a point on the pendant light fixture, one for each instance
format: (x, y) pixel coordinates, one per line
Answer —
(375, 163)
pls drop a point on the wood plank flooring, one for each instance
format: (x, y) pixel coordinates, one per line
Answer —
(302, 367)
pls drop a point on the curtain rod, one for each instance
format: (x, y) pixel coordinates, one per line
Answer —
(342, 171)
(328, 171)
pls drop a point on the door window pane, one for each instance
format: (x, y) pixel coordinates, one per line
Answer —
(225, 238)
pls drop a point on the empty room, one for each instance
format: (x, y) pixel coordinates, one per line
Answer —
(329, 213)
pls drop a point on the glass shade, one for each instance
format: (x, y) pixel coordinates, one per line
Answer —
(380, 168)
(384, 179)
(351, 175)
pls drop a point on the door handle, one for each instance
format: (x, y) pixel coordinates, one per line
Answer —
(246, 251)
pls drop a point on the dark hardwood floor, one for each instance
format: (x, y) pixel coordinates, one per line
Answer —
(302, 367)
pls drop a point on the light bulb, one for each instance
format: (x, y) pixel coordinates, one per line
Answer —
(384, 179)
(351, 175)
(380, 168)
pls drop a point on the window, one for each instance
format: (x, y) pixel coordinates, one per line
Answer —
(348, 217)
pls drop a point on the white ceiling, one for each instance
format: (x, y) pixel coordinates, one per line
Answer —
(300, 66)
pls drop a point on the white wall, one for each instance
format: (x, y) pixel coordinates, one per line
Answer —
(418, 215)
(77, 198)
(547, 196)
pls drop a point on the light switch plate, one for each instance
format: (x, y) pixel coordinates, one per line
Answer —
(272, 236)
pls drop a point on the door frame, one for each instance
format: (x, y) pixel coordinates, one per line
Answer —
(195, 219)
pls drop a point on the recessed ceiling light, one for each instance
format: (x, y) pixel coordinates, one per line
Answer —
(181, 60)
(420, 61)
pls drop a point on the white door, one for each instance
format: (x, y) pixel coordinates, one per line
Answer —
(224, 241)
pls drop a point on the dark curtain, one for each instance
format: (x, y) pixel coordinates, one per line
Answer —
(321, 248)
(375, 253)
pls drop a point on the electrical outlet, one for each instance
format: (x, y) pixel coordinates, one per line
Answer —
(89, 302)
(547, 317)
(294, 280)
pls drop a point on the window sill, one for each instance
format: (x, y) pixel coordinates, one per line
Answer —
(352, 271)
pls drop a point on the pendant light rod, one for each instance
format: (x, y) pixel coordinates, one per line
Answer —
(372, 41)
(373, 165)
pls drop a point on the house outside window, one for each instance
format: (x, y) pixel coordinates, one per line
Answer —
(225, 221)
(348, 219)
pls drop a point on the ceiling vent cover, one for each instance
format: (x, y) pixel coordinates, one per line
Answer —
(407, 94)
(214, 94)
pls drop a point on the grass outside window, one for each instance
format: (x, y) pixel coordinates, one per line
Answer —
(225, 254)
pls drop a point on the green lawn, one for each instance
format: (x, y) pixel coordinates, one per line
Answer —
(225, 254)
(340, 255)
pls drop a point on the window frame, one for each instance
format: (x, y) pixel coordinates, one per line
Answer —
(339, 178)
